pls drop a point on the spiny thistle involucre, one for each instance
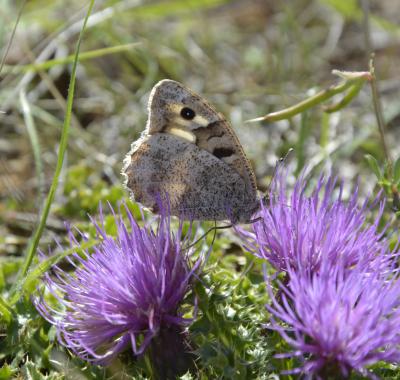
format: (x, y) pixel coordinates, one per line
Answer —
(126, 291)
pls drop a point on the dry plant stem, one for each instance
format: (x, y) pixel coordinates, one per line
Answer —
(378, 111)
(374, 87)
(367, 29)
(12, 35)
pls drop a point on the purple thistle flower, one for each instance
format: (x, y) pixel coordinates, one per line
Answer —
(338, 319)
(129, 289)
(298, 229)
(339, 306)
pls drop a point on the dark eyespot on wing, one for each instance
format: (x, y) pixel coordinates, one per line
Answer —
(187, 113)
(223, 152)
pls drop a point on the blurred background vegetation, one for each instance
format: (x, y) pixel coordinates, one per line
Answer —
(247, 57)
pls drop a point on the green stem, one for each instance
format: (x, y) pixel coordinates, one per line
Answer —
(324, 135)
(34, 242)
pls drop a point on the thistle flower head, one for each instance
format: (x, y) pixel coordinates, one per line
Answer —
(299, 229)
(339, 308)
(129, 288)
(338, 319)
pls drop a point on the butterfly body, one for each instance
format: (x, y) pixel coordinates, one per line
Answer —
(189, 152)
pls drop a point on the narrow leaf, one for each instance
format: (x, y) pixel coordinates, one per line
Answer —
(396, 171)
(373, 164)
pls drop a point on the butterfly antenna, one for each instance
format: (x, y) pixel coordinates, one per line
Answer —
(215, 228)
(215, 233)
(279, 162)
(252, 221)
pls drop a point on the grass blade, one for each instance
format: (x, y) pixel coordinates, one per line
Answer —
(33, 137)
(28, 285)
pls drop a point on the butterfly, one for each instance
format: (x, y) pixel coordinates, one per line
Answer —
(190, 153)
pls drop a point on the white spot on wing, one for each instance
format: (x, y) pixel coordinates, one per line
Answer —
(182, 133)
(200, 120)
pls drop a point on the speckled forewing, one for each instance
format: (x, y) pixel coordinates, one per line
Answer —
(209, 129)
(199, 185)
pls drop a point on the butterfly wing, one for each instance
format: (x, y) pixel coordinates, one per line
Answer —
(189, 151)
(208, 129)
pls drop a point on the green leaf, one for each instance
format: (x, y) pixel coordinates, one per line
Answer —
(348, 8)
(5, 311)
(373, 164)
(396, 171)
(6, 372)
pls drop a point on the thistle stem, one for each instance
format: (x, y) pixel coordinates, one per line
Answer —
(170, 354)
